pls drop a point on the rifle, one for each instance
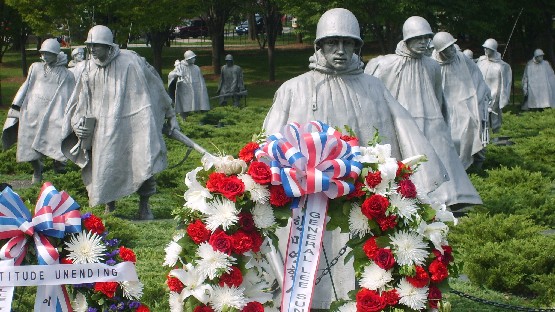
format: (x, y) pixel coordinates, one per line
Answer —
(240, 93)
(181, 137)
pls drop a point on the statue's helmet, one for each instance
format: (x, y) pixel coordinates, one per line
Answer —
(468, 53)
(50, 45)
(100, 34)
(490, 44)
(442, 40)
(338, 22)
(416, 26)
(77, 51)
(538, 52)
(229, 57)
(189, 55)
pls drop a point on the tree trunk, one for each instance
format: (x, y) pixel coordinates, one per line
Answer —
(23, 44)
(217, 51)
(273, 27)
(157, 42)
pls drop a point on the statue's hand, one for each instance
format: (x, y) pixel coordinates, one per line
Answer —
(82, 132)
(174, 125)
(12, 113)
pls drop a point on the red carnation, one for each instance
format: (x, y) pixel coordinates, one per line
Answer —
(253, 306)
(247, 152)
(257, 240)
(407, 188)
(438, 270)
(246, 222)
(221, 241)
(358, 192)
(198, 231)
(203, 308)
(232, 187)
(232, 278)
(388, 222)
(107, 288)
(278, 197)
(127, 254)
(369, 301)
(94, 224)
(403, 171)
(447, 255)
(242, 242)
(260, 172)
(174, 284)
(143, 308)
(349, 139)
(434, 296)
(391, 297)
(375, 206)
(420, 278)
(373, 179)
(214, 181)
(66, 261)
(384, 258)
(370, 248)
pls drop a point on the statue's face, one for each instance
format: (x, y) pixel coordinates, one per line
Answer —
(489, 52)
(338, 51)
(449, 52)
(538, 58)
(49, 57)
(78, 57)
(191, 61)
(419, 44)
(99, 51)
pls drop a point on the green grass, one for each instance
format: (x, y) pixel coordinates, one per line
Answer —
(238, 126)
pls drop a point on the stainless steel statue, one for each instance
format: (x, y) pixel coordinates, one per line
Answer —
(35, 119)
(231, 83)
(113, 124)
(415, 81)
(187, 87)
(538, 83)
(77, 55)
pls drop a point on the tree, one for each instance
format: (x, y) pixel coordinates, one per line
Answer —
(271, 16)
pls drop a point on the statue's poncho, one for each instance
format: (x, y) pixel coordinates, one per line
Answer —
(415, 81)
(187, 88)
(363, 103)
(231, 80)
(498, 77)
(539, 81)
(128, 100)
(42, 100)
(466, 97)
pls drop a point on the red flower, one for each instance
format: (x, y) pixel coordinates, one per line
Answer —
(434, 296)
(260, 172)
(203, 308)
(375, 206)
(373, 179)
(358, 192)
(257, 240)
(388, 222)
(94, 224)
(214, 181)
(349, 139)
(370, 248)
(66, 261)
(407, 189)
(242, 242)
(198, 231)
(127, 254)
(384, 258)
(247, 152)
(174, 284)
(420, 278)
(278, 197)
(143, 308)
(232, 187)
(403, 171)
(232, 278)
(447, 254)
(221, 241)
(438, 270)
(246, 222)
(253, 306)
(391, 297)
(107, 288)
(369, 301)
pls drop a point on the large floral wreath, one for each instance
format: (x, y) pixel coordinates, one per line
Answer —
(398, 235)
(59, 233)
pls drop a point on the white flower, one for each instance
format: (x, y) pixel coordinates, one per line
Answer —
(374, 277)
(436, 232)
(196, 195)
(132, 290)
(221, 212)
(79, 303)
(413, 297)
(358, 222)
(406, 207)
(388, 169)
(414, 160)
(224, 164)
(256, 288)
(408, 248)
(173, 250)
(375, 154)
(85, 248)
(442, 214)
(259, 193)
(212, 262)
(263, 215)
(348, 307)
(367, 156)
(193, 281)
(227, 297)
(176, 302)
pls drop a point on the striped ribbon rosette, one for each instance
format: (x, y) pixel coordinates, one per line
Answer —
(314, 165)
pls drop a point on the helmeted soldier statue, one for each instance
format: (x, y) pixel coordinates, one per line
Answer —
(77, 55)
(231, 83)
(35, 119)
(187, 87)
(468, 53)
(113, 125)
(498, 77)
(538, 83)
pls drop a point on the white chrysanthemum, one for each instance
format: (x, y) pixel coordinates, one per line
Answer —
(263, 215)
(413, 297)
(259, 193)
(79, 303)
(221, 212)
(406, 207)
(227, 297)
(193, 281)
(173, 250)
(358, 222)
(196, 195)
(212, 262)
(436, 232)
(374, 277)
(85, 248)
(132, 290)
(176, 302)
(348, 307)
(408, 248)
(256, 288)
